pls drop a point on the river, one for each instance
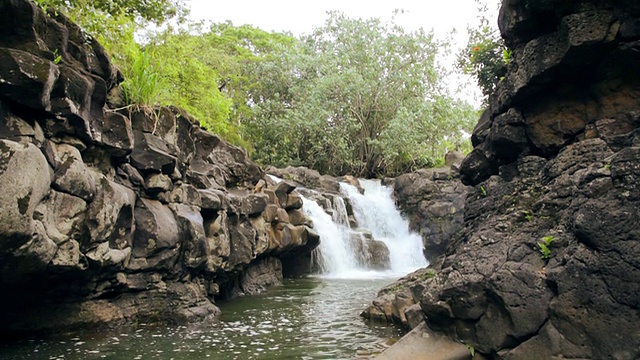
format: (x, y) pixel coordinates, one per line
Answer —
(308, 318)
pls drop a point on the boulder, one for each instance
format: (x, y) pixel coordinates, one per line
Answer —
(157, 233)
(371, 253)
(117, 134)
(71, 173)
(63, 216)
(219, 241)
(25, 180)
(193, 238)
(110, 216)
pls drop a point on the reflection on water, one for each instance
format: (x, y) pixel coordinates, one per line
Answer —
(312, 318)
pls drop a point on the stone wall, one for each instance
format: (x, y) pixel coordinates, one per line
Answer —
(111, 215)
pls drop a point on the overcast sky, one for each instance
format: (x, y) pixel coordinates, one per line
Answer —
(299, 17)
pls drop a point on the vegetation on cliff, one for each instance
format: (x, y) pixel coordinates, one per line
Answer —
(354, 96)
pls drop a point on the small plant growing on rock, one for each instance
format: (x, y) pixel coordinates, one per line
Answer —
(543, 246)
(428, 275)
(471, 349)
(57, 57)
(483, 191)
(527, 215)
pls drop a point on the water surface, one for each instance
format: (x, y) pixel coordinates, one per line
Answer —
(311, 318)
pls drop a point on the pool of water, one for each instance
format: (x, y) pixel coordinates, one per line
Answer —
(310, 318)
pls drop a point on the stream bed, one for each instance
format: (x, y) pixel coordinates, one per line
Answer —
(309, 318)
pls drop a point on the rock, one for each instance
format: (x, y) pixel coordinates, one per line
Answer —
(282, 192)
(71, 174)
(194, 242)
(187, 194)
(31, 258)
(298, 261)
(263, 274)
(27, 79)
(294, 201)
(117, 134)
(103, 256)
(157, 233)
(254, 204)
(111, 214)
(296, 217)
(424, 344)
(63, 216)
(218, 240)
(151, 154)
(475, 168)
(25, 181)
(371, 253)
(434, 207)
(212, 199)
(155, 183)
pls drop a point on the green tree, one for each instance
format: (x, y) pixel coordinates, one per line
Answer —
(361, 97)
(156, 11)
(485, 57)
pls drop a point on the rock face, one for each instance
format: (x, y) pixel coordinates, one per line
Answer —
(546, 264)
(133, 215)
(433, 202)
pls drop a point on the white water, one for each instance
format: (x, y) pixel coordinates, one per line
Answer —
(374, 211)
(334, 246)
(377, 212)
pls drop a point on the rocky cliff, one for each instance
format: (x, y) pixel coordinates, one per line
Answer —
(546, 264)
(111, 215)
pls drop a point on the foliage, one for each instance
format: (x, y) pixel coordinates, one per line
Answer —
(471, 349)
(143, 85)
(485, 57)
(359, 97)
(543, 246)
(156, 11)
(354, 96)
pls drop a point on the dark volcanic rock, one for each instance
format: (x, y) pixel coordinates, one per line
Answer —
(433, 202)
(545, 263)
(128, 215)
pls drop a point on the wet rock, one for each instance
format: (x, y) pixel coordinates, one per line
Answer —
(371, 253)
(260, 276)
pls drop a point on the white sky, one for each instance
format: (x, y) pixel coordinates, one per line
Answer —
(299, 17)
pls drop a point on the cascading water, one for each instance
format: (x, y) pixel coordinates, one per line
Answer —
(376, 215)
(336, 257)
(375, 210)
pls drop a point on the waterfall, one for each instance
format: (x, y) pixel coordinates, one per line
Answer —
(336, 255)
(377, 212)
(347, 252)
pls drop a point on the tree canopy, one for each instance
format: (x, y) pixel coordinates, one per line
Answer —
(357, 96)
